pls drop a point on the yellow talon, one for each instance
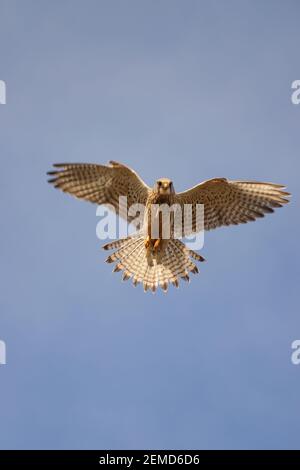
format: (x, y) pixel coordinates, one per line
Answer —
(157, 244)
(147, 242)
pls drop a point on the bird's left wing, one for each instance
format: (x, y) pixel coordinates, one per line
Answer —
(101, 184)
(230, 202)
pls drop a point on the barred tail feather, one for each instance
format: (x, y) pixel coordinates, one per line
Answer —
(160, 268)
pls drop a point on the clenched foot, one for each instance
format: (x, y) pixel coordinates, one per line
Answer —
(147, 242)
(157, 244)
(148, 245)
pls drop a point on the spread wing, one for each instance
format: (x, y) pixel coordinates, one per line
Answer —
(230, 202)
(101, 184)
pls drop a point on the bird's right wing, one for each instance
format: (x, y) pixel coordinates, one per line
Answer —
(230, 202)
(101, 184)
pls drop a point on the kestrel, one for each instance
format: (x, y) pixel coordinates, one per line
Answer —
(159, 261)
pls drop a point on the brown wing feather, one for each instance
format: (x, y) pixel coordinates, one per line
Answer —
(101, 184)
(231, 202)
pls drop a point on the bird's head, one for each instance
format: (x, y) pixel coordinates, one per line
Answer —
(164, 186)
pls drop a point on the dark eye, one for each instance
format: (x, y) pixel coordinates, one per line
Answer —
(159, 183)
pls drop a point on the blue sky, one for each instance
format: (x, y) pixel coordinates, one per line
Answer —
(190, 90)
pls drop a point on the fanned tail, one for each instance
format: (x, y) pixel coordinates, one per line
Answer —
(155, 268)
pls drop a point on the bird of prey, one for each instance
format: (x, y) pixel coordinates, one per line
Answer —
(159, 261)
